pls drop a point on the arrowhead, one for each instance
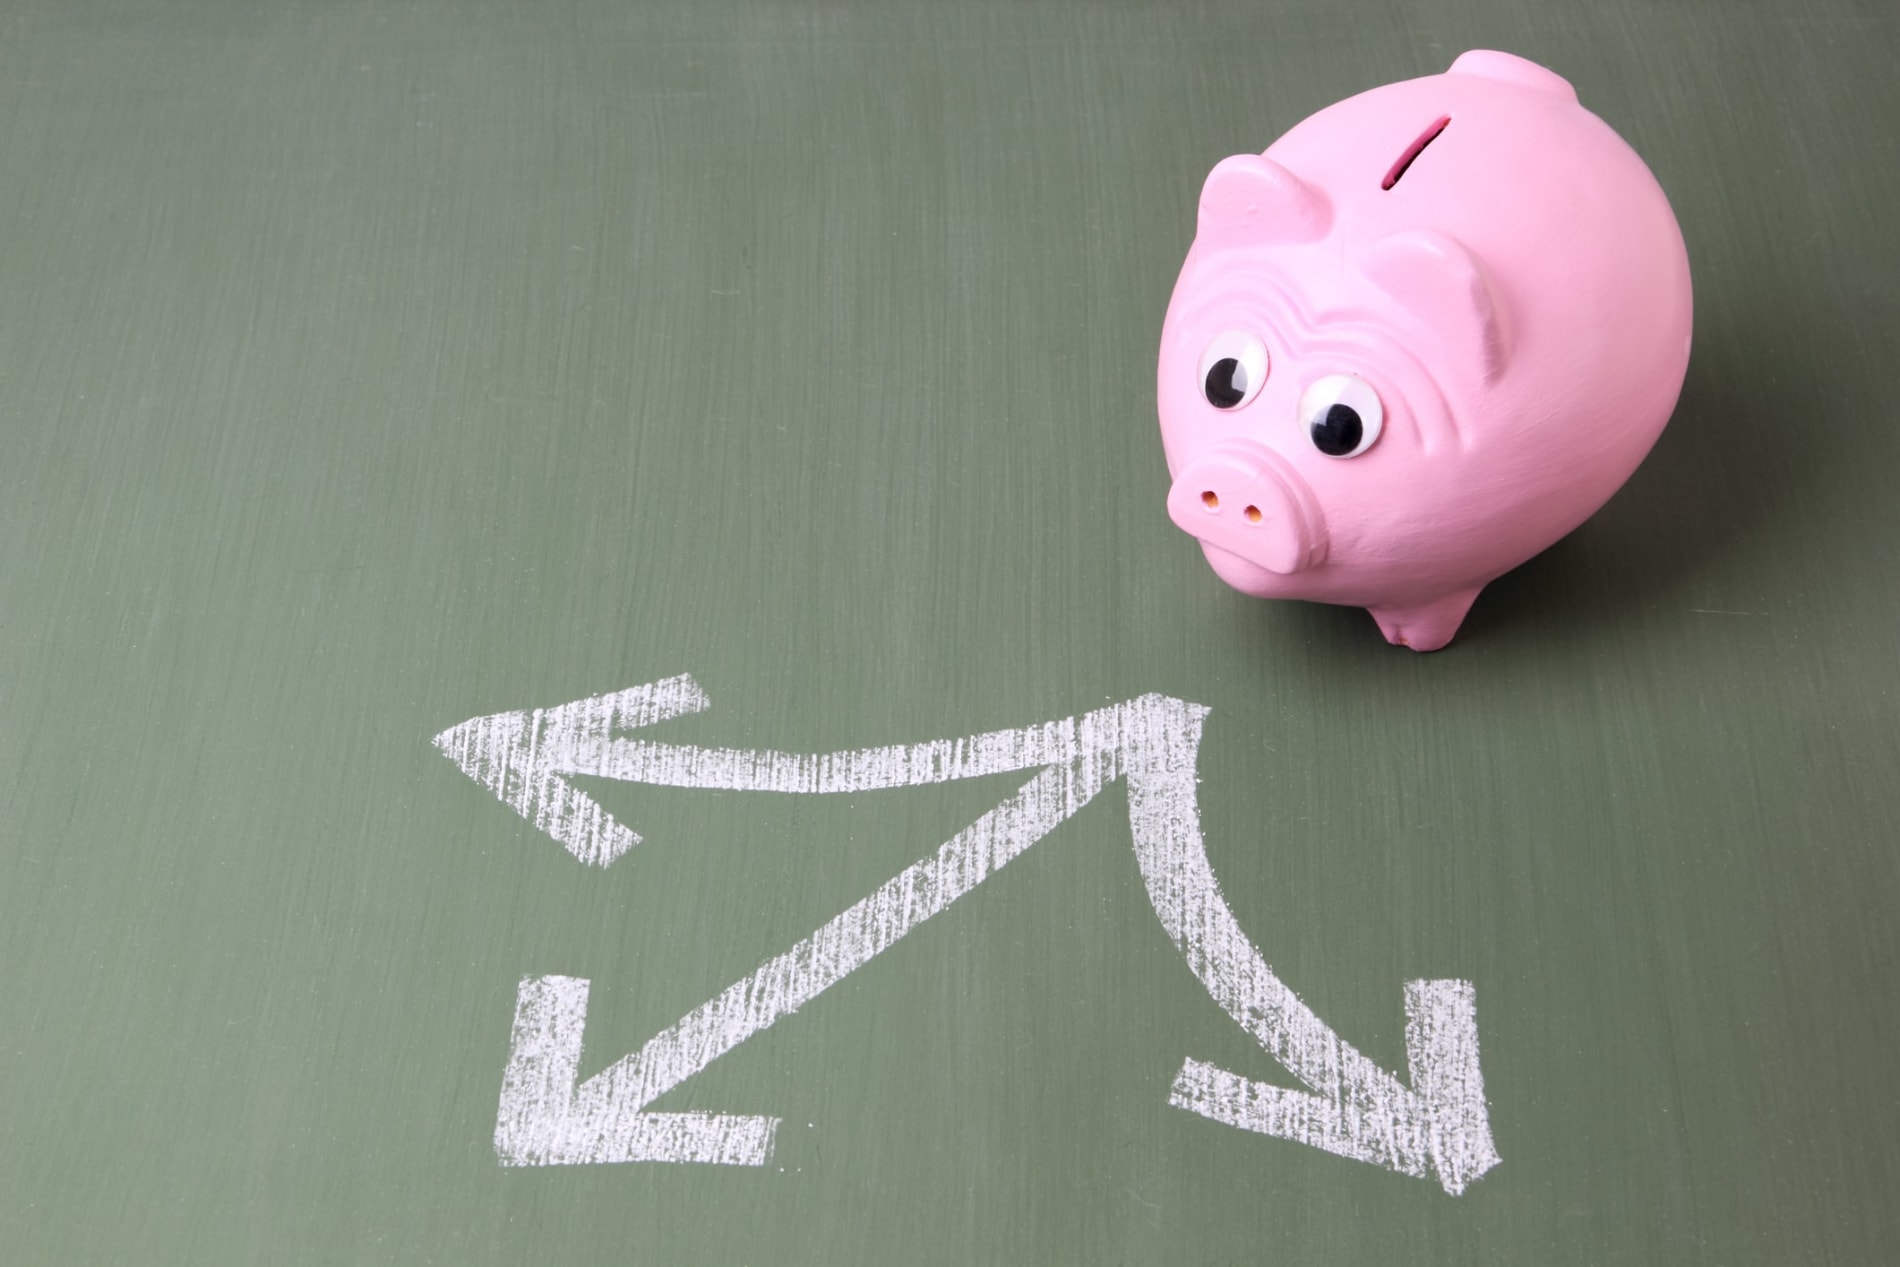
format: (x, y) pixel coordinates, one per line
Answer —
(1439, 1126)
(545, 1119)
(519, 757)
(1441, 1045)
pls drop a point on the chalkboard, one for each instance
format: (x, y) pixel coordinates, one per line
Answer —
(595, 669)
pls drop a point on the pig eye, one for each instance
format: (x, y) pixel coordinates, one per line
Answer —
(1343, 415)
(1232, 369)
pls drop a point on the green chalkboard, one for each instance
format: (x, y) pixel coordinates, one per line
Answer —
(551, 552)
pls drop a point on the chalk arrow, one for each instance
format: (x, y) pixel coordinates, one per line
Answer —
(1440, 1125)
(524, 757)
(545, 1118)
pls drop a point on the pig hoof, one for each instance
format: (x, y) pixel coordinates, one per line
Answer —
(1428, 626)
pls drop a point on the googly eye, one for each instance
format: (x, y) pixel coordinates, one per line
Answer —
(1232, 369)
(1342, 414)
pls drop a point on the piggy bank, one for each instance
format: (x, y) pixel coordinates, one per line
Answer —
(1423, 336)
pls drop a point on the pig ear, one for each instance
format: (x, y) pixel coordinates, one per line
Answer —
(1511, 69)
(1438, 280)
(1251, 198)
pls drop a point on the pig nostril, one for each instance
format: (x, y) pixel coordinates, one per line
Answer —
(1209, 500)
(1253, 514)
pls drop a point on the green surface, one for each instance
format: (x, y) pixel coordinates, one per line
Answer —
(366, 368)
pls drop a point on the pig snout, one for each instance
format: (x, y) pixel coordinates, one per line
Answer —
(1241, 498)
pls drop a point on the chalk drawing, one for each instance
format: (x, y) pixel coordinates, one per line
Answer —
(1441, 1124)
(1438, 1126)
(522, 757)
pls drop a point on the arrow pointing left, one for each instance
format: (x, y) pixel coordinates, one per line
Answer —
(524, 756)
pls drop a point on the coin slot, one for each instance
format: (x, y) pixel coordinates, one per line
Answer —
(1412, 152)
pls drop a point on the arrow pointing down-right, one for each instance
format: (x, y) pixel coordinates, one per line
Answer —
(1439, 1126)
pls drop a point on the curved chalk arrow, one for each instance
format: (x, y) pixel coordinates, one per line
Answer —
(1438, 1126)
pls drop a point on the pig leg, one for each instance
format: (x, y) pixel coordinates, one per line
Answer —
(1428, 626)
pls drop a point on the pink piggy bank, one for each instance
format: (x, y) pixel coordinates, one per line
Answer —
(1430, 331)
